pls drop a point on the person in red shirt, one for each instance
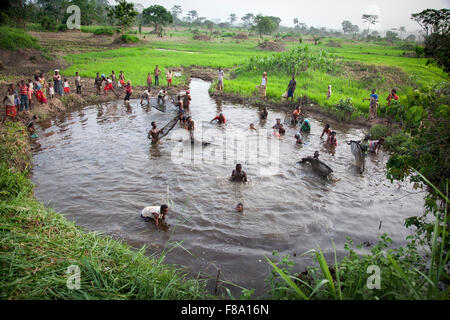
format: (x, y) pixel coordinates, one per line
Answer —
(332, 141)
(220, 118)
(128, 90)
(149, 81)
(326, 131)
(392, 95)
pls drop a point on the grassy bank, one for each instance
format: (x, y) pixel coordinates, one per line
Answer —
(362, 66)
(38, 245)
(13, 38)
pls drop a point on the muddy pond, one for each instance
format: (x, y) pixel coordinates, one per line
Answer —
(96, 166)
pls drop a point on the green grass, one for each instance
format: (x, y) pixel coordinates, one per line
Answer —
(137, 62)
(37, 245)
(13, 38)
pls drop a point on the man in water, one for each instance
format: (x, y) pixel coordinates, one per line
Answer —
(145, 95)
(155, 213)
(263, 114)
(375, 146)
(277, 125)
(238, 174)
(240, 207)
(252, 127)
(162, 95)
(220, 118)
(187, 100)
(296, 114)
(128, 91)
(326, 131)
(281, 130)
(190, 126)
(332, 141)
(316, 157)
(154, 133)
(298, 138)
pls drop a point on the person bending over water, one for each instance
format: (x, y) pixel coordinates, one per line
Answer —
(238, 174)
(155, 213)
(154, 133)
(316, 156)
(326, 131)
(298, 138)
(375, 146)
(306, 126)
(220, 118)
(281, 130)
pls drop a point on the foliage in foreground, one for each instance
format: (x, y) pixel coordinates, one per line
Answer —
(38, 245)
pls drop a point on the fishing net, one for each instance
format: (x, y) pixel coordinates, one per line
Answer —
(169, 126)
(168, 106)
(358, 153)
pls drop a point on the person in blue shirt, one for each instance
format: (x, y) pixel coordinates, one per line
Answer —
(373, 104)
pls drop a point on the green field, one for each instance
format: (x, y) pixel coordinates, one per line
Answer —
(136, 62)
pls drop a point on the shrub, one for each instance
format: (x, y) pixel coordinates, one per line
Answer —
(104, 31)
(378, 131)
(61, 27)
(419, 50)
(345, 105)
(129, 39)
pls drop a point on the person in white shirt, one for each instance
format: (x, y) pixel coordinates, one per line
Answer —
(220, 79)
(263, 86)
(145, 95)
(155, 213)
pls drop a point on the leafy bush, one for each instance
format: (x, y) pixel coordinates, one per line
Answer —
(294, 60)
(12, 39)
(129, 39)
(378, 131)
(419, 50)
(228, 34)
(104, 31)
(61, 27)
(345, 105)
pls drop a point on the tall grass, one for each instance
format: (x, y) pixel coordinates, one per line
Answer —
(14, 38)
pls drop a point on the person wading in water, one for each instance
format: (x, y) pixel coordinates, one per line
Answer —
(238, 174)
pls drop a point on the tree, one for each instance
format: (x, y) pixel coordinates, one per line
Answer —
(436, 25)
(247, 20)
(123, 13)
(411, 38)
(192, 15)
(347, 26)
(370, 19)
(391, 36)
(232, 18)
(158, 16)
(433, 21)
(264, 25)
(276, 21)
(176, 11)
(402, 30)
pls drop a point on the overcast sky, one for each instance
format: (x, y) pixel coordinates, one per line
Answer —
(317, 13)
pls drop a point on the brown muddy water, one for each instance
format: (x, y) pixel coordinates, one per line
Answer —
(96, 166)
